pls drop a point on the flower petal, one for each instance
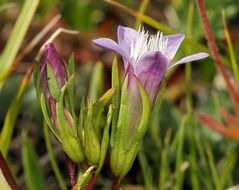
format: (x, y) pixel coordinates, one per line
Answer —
(126, 36)
(111, 45)
(174, 42)
(189, 59)
(150, 70)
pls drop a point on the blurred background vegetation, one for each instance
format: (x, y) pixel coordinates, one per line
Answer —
(175, 154)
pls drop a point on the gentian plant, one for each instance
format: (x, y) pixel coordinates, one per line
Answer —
(54, 86)
(146, 60)
(78, 137)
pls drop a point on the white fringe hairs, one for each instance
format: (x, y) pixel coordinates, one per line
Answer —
(146, 43)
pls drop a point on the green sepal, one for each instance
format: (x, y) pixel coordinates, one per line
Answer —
(145, 113)
(91, 141)
(69, 130)
(70, 141)
(53, 85)
(98, 107)
(105, 140)
(46, 115)
(69, 96)
(96, 82)
(82, 120)
(115, 98)
(71, 65)
(118, 143)
(36, 78)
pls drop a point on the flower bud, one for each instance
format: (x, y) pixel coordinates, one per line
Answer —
(55, 86)
(55, 83)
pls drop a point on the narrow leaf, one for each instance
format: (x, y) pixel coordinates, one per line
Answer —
(32, 171)
(105, 140)
(20, 28)
(231, 50)
(53, 161)
(53, 85)
(10, 119)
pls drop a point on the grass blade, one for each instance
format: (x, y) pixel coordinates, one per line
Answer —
(12, 113)
(142, 9)
(53, 160)
(145, 170)
(231, 50)
(179, 173)
(32, 171)
(17, 35)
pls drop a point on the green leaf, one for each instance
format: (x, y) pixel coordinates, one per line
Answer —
(105, 140)
(146, 170)
(179, 173)
(14, 42)
(10, 119)
(96, 82)
(32, 171)
(52, 82)
(115, 99)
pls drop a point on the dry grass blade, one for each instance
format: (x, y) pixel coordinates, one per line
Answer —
(31, 45)
(53, 36)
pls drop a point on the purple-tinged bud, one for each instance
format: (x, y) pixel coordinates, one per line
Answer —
(50, 56)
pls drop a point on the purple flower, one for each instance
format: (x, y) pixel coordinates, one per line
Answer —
(146, 56)
(50, 56)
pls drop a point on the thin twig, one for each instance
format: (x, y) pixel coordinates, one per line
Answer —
(7, 174)
(31, 45)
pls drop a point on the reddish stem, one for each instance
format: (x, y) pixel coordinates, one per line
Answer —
(7, 174)
(71, 169)
(116, 183)
(90, 183)
(215, 54)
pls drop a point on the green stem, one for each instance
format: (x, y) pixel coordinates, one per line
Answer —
(53, 160)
